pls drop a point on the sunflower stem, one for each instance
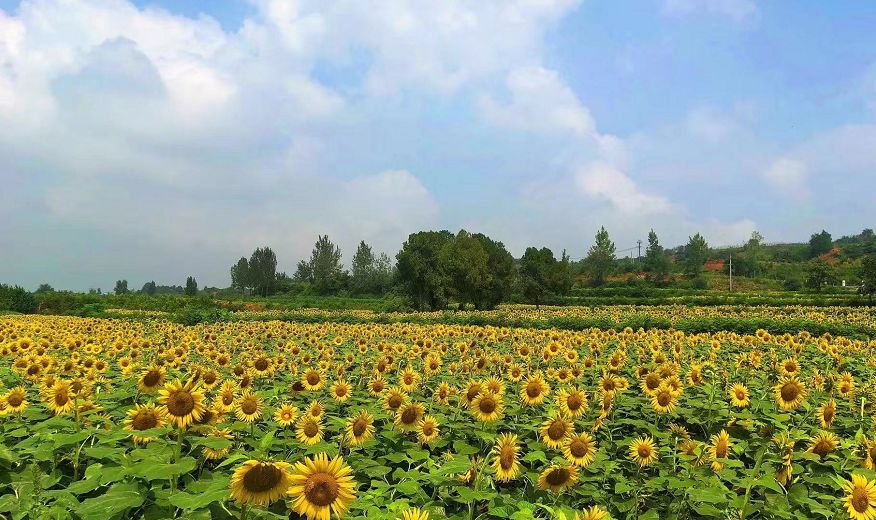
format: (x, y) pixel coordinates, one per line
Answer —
(243, 510)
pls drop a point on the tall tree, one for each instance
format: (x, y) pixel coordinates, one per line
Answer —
(537, 268)
(240, 279)
(868, 276)
(263, 271)
(600, 259)
(364, 267)
(326, 271)
(820, 243)
(419, 271)
(818, 274)
(561, 277)
(149, 288)
(656, 260)
(121, 287)
(191, 286)
(754, 253)
(500, 264)
(696, 252)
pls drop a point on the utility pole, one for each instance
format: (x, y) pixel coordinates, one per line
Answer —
(731, 272)
(639, 242)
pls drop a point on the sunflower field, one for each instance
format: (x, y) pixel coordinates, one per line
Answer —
(145, 418)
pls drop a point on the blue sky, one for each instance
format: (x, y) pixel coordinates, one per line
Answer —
(157, 139)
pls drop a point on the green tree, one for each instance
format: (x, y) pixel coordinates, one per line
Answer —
(262, 271)
(240, 279)
(370, 274)
(149, 288)
(820, 243)
(561, 278)
(121, 287)
(656, 259)
(419, 272)
(537, 267)
(818, 274)
(696, 252)
(465, 265)
(868, 276)
(325, 271)
(191, 286)
(44, 288)
(600, 259)
(754, 254)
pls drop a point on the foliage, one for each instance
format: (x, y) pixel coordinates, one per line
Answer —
(191, 286)
(370, 273)
(868, 276)
(17, 299)
(121, 287)
(696, 252)
(600, 258)
(820, 243)
(656, 260)
(419, 269)
(818, 274)
(261, 273)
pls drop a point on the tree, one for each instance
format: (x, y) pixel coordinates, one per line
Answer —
(820, 243)
(149, 288)
(868, 276)
(240, 275)
(753, 252)
(500, 264)
(121, 287)
(656, 260)
(818, 274)
(191, 286)
(302, 272)
(368, 273)
(419, 272)
(537, 267)
(696, 252)
(325, 269)
(44, 288)
(600, 258)
(262, 271)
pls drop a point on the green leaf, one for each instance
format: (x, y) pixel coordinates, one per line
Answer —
(119, 498)
(163, 471)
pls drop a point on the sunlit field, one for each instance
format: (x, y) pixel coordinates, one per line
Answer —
(128, 419)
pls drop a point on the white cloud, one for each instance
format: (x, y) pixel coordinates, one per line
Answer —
(788, 177)
(603, 181)
(737, 10)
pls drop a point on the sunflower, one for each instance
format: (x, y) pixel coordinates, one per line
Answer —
(360, 428)
(340, 391)
(579, 449)
(534, 390)
(643, 451)
(719, 449)
(393, 399)
(16, 400)
(59, 397)
(860, 498)
(555, 430)
(663, 399)
(594, 513)
(144, 417)
(506, 462)
(739, 396)
(427, 430)
(249, 407)
(285, 415)
(827, 413)
(870, 457)
(471, 391)
(218, 453)
(315, 409)
(183, 404)
(321, 486)
(376, 385)
(823, 444)
(572, 402)
(790, 393)
(151, 379)
(443, 393)
(227, 396)
(309, 430)
(556, 478)
(408, 416)
(487, 406)
(415, 513)
(312, 380)
(260, 482)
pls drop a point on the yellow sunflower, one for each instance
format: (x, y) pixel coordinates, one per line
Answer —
(16, 400)
(579, 449)
(415, 513)
(823, 444)
(427, 430)
(740, 396)
(505, 461)
(309, 430)
(260, 482)
(144, 417)
(321, 487)
(790, 393)
(556, 478)
(183, 404)
(408, 417)
(487, 406)
(643, 451)
(151, 379)
(572, 402)
(594, 513)
(555, 430)
(719, 449)
(860, 499)
(285, 415)
(360, 428)
(827, 413)
(663, 399)
(534, 390)
(59, 397)
(249, 407)
(341, 390)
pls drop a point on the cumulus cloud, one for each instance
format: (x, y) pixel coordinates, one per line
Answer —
(603, 181)
(788, 177)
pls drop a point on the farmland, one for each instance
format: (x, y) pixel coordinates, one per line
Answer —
(359, 414)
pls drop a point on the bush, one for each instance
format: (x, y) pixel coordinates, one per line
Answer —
(699, 283)
(792, 284)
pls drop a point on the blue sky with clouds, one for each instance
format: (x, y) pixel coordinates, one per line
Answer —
(156, 139)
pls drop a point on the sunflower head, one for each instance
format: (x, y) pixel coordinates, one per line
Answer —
(260, 482)
(321, 487)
